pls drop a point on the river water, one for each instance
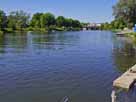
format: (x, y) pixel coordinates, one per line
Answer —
(36, 67)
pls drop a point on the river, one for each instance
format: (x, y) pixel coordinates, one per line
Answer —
(81, 65)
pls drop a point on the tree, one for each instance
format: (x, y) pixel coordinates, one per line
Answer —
(47, 20)
(35, 21)
(68, 22)
(76, 23)
(118, 24)
(126, 10)
(105, 26)
(18, 20)
(3, 19)
(60, 21)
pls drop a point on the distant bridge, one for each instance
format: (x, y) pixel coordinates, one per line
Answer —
(92, 26)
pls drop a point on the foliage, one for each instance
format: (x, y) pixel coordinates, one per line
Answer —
(35, 21)
(118, 24)
(60, 21)
(125, 9)
(105, 26)
(115, 24)
(125, 15)
(76, 23)
(18, 20)
(1, 32)
(47, 20)
(3, 20)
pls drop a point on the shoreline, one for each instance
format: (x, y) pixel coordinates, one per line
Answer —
(9, 30)
(128, 33)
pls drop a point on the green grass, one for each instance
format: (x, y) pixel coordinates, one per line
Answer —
(132, 36)
(1, 32)
(35, 29)
(116, 30)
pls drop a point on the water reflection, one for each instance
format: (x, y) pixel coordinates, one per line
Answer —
(124, 53)
(20, 43)
(124, 57)
(53, 41)
(120, 95)
(2, 43)
(78, 65)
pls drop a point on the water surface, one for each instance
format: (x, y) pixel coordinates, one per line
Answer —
(81, 65)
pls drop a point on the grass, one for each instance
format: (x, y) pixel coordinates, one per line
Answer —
(116, 30)
(132, 36)
(36, 29)
(1, 32)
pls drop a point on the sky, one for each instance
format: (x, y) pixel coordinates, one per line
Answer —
(95, 11)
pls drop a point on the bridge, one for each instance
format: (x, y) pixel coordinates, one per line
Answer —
(92, 26)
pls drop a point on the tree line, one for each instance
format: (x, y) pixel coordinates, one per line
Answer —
(20, 20)
(124, 12)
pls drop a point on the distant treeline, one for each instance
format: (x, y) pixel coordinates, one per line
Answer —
(20, 21)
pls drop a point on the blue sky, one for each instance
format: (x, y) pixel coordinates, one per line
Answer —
(84, 10)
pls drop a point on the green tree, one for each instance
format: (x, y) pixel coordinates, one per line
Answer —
(106, 26)
(60, 21)
(47, 20)
(126, 10)
(76, 23)
(3, 20)
(68, 22)
(18, 20)
(118, 24)
(35, 21)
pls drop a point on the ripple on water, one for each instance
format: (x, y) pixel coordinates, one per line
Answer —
(80, 65)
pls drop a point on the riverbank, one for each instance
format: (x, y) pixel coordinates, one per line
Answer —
(43, 30)
(124, 32)
(132, 35)
(127, 33)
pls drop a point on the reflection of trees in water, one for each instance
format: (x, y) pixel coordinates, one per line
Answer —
(2, 43)
(18, 43)
(13, 42)
(124, 55)
(54, 41)
(16, 40)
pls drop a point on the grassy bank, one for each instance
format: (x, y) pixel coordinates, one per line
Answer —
(44, 30)
(1, 32)
(116, 30)
(132, 36)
